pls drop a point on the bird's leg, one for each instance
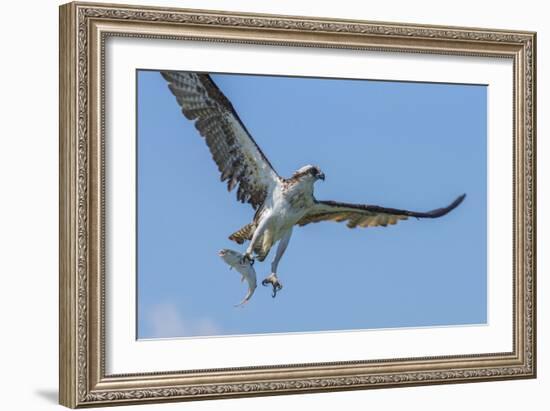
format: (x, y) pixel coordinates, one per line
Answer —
(247, 257)
(272, 278)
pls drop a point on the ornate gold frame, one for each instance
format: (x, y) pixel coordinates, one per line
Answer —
(83, 30)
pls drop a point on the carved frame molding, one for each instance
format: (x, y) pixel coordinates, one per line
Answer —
(83, 30)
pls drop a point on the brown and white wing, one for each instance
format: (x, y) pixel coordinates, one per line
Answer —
(238, 157)
(364, 215)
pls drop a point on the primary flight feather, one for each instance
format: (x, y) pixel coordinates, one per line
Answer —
(280, 203)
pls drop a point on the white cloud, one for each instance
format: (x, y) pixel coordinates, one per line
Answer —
(206, 326)
(165, 321)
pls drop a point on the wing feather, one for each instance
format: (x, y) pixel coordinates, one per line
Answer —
(239, 159)
(364, 215)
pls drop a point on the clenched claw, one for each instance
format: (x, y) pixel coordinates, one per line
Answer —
(275, 283)
(246, 259)
(276, 287)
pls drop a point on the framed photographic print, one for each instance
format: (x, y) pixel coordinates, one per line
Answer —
(374, 225)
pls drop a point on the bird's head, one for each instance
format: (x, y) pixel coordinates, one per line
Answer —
(309, 173)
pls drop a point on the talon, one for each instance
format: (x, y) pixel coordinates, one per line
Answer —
(274, 281)
(247, 258)
(276, 288)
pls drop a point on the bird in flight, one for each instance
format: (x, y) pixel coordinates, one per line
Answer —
(279, 203)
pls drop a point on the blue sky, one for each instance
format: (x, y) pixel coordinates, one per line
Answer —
(395, 144)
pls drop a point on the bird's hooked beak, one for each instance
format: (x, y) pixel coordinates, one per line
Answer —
(321, 176)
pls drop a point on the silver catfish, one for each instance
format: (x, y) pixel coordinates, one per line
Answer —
(244, 266)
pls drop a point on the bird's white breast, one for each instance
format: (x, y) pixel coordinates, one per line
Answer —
(286, 206)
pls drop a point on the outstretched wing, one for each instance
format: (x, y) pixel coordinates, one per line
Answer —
(364, 215)
(239, 159)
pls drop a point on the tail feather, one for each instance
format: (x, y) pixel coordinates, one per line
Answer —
(243, 234)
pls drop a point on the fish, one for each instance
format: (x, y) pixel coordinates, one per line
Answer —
(245, 267)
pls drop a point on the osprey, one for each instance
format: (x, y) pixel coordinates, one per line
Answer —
(279, 203)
